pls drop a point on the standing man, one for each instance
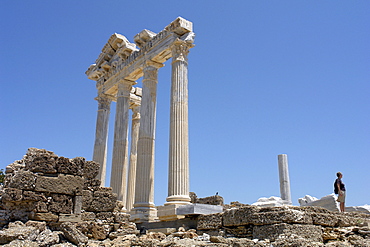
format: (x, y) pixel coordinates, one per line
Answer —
(340, 189)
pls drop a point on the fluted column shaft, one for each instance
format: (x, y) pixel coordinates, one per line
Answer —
(284, 178)
(178, 171)
(120, 145)
(144, 191)
(101, 135)
(133, 158)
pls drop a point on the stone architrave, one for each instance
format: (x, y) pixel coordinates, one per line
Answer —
(101, 135)
(144, 208)
(178, 169)
(120, 145)
(284, 178)
(131, 180)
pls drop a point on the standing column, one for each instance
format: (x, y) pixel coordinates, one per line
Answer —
(144, 208)
(178, 174)
(119, 161)
(284, 178)
(101, 135)
(133, 158)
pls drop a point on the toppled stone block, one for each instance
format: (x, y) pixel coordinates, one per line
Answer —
(239, 216)
(48, 238)
(273, 232)
(62, 184)
(44, 217)
(73, 234)
(41, 226)
(210, 221)
(22, 180)
(18, 230)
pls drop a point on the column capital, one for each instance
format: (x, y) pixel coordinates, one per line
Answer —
(104, 101)
(124, 87)
(180, 50)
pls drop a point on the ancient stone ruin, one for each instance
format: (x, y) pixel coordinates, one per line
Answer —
(49, 200)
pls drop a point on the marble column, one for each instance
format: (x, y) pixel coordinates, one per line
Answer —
(101, 135)
(178, 171)
(284, 178)
(120, 144)
(131, 180)
(144, 208)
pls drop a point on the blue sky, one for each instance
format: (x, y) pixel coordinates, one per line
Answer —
(265, 78)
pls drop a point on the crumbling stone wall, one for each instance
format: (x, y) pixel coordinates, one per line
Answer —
(45, 187)
(211, 200)
(311, 224)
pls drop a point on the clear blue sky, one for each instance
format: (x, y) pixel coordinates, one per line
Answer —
(265, 78)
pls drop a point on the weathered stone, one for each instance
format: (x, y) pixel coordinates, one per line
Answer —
(61, 204)
(69, 218)
(44, 216)
(284, 216)
(103, 201)
(329, 202)
(41, 226)
(41, 207)
(62, 184)
(87, 198)
(98, 231)
(120, 217)
(12, 195)
(240, 231)
(239, 216)
(73, 234)
(22, 243)
(18, 231)
(91, 169)
(272, 232)
(87, 216)
(210, 221)
(92, 184)
(48, 238)
(324, 219)
(105, 217)
(40, 160)
(68, 166)
(212, 200)
(33, 196)
(22, 180)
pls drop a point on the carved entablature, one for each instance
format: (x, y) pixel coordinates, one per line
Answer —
(121, 59)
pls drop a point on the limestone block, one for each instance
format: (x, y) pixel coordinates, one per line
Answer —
(98, 231)
(92, 184)
(12, 195)
(307, 199)
(90, 169)
(69, 218)
(362, 209)
(33, 196)
(70, 166)
(120, 217)
(239, 216)
(324, 219)
(48, 238)
(272, 232)
(41, 226)
(44, 217)
(272, 201)
(73, 234)
(209, 222)
(41, 207)
(40, 160)
(61, 204)
(87, 216)
(87, 197)
(62, 184)
(284, 216)
(240, 231)
(23, 180)
(105, 217)
(18, 231)
(329, 202)
(103, 201)
(196, 209)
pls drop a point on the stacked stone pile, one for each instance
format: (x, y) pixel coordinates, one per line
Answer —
(311, 224)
